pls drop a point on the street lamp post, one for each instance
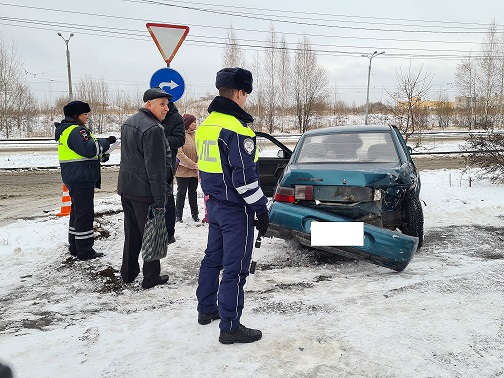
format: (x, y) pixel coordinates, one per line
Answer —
(370, 57)
(70, 93)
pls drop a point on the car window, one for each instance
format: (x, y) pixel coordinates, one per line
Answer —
(348, 147)
(266, 148)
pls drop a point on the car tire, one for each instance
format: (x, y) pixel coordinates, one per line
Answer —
(413, 219)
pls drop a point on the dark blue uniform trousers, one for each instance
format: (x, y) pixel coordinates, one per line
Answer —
(80, 224)
(229, 248)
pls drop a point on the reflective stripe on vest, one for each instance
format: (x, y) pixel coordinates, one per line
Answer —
(207, 136)
(66, 154)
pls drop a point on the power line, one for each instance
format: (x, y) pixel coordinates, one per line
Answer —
(238, 15)
(287, 19)
(252, 44)
(282, 11)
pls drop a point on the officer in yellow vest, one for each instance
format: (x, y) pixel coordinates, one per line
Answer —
(227, 156)
(80, 153)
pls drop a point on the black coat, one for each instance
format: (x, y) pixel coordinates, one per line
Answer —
(174, 131)
(81, 174)
(144, 161)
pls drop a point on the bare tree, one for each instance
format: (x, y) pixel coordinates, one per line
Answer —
(123, 106)
(489, 154)
(233, 54)
(16, 101)
(465, 79)
(283, 73)
(444, 111)
(409, 108)
(271, 64)
(310, 83)
(488, 81)
(257, 98)
(97, 94)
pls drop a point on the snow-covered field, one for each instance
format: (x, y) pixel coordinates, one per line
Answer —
(321, 316)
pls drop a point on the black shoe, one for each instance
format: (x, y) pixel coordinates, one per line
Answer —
(161, 281)
(195, 218)
(204, 319)
(240, 335)
(93, 256)
(171, 239)
(178, 220)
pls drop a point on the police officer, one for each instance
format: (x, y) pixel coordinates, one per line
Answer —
(227, 156)
(80, 153)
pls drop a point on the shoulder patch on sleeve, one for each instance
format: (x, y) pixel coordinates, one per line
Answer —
(84, 134)
(248, 145)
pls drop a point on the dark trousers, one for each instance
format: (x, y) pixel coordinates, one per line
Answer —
(189, 185)
(170, 214)
(135, 216)
(80, 226)
(229, 248)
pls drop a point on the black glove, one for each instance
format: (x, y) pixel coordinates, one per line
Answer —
(105, 157)
(262, 223)
(111, 139)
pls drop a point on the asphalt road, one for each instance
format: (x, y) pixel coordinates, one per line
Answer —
(31, 194)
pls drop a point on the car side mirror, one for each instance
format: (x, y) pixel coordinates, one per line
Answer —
(410, 150)
(281, 154)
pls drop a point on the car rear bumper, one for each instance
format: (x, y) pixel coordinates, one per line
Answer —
(382, 247)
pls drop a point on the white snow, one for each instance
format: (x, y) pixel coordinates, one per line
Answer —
(443, 316)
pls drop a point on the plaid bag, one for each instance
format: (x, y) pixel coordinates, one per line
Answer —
(155, 237)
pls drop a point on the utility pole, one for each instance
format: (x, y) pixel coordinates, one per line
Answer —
(370, 57)
(70, 93)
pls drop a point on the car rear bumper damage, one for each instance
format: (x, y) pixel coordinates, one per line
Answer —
(382, 247)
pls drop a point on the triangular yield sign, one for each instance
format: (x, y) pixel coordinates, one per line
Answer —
(168, 38)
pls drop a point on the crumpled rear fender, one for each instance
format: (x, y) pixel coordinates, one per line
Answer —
(382, 247)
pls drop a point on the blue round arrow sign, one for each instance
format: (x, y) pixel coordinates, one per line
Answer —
(170, 81)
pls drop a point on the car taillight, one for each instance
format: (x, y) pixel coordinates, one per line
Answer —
(303, 192)
(283, 194)
(299, 192)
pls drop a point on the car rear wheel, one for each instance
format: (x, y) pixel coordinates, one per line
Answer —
(413, 219)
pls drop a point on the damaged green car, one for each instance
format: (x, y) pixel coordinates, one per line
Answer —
(349, 174)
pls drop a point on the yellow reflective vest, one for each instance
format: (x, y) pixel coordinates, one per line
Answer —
(65, 153)
(227, 156)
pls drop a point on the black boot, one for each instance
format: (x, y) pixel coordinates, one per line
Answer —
(207, 318)
(240, 335)
(160, 281)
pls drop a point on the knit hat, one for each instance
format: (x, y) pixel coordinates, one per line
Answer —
(188, 120)
(156, 92)
(76, 108)
(234, 78)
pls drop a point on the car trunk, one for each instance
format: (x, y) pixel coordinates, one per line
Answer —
(361, 192)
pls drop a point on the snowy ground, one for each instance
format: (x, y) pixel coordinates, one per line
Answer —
(321, 316)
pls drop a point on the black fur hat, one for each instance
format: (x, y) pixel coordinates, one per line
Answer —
(76, 108)
(234, 78)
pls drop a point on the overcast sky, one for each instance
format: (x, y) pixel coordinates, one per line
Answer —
(111, 40)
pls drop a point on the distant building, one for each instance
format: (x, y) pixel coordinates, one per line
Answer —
(429, 105)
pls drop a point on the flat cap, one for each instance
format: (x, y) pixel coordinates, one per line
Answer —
(76, 108)
(156, 92)
(234, 78)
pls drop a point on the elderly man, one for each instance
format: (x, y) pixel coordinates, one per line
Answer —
(142, 181)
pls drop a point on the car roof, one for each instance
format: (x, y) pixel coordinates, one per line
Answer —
(349, 129)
